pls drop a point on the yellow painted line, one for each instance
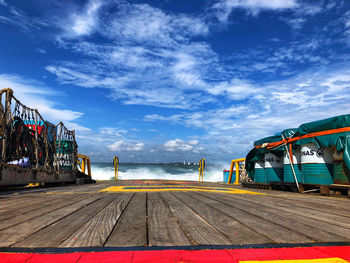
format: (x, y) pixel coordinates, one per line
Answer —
(67, 193)
(169, 188)
(318, 260)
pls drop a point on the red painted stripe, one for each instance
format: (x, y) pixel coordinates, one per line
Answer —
(281, 253)
(203, 256)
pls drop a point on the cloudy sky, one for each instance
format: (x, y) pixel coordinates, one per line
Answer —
(165, 81)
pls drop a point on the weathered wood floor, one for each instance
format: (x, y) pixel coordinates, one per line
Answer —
(84, 216)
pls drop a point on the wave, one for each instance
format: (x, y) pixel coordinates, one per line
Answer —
(211, 174)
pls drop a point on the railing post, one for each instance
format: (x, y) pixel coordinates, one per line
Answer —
(74, 165)
(235, 162)
(203, 167)
(115, 167)
(231, 171)
(36, 140)
(237, 173)
(199, 168)
(89, 167)
(59, 148)
(83, 165)
(5, 124)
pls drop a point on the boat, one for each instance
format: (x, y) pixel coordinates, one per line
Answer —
(149, 220)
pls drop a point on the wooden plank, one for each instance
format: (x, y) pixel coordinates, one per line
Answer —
(14, 234)
(274, 232)
(195, 227)
(233, 230)
(32, 206)
(38, 212)
(17, 202)
(131, 229)
(96, 231)
(324, 216)
(304, 202)
(163, 229)
(295, 223)
(76, 188)
(305, 210)
(339, 205)
(58, 232)
(330, 202)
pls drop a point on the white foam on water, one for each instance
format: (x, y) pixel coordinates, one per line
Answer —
(211, 174)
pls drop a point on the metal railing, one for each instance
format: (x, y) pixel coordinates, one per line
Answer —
(235, 162)
(84, 163)
(29, 141)
(201, 169)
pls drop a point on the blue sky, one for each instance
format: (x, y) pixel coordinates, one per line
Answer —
(165, 81)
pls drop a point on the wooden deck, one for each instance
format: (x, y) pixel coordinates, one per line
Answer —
(167, 213)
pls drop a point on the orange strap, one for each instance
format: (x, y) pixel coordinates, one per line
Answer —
(310, 135)
(291, 154)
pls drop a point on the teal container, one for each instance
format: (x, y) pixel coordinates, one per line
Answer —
(226, 174)
(259, 174)
(316, 164)
(273, 168)
(274, 175)
(288, 176)
(317, 173)
(341, 174)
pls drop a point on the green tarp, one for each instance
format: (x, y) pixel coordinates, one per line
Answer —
(257, 154)
(341, 141)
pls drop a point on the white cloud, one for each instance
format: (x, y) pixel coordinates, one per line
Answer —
(35, 95)
(112, 131)
(71, 76)
(178, 145)
(148, 57)
(309, 96)
(2, 2)
(143, 23)
(126, 146)
(20, 19)
(218, 119)
(338, 83)
(236, 89)
(82, 22)
(225, 7)
(40, 50)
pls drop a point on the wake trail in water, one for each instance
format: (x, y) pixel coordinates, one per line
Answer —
(165, 172)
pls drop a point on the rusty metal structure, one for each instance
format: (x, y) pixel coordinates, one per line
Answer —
(33, 150)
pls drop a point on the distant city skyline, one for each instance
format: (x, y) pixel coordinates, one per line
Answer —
(168, 81)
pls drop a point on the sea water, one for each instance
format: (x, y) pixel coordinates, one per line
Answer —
(131, 171)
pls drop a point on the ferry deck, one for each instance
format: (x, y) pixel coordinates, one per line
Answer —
(131, 220)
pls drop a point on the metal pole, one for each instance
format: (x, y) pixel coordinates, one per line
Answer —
(231, 171)
(200, 169)
(74, 152)
(117, 167)
(291, 165)
(237, 173)
(115, 172)
(59, 148)
(83, 165)
(36, 140)
(5, 122)
(203, 167)
(89, 167)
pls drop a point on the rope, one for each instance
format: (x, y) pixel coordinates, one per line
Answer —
(24, 133)
(310, 135)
